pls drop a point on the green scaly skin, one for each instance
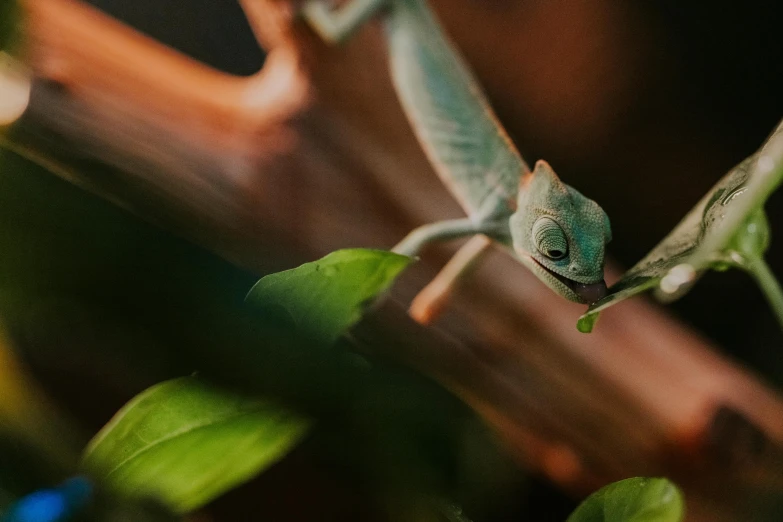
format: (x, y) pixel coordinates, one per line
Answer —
(555, 231)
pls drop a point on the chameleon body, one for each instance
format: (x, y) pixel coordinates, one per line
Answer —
(552, 229)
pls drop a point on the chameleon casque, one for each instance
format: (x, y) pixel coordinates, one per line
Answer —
(555, 231)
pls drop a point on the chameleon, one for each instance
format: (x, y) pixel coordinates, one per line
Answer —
(552, 229)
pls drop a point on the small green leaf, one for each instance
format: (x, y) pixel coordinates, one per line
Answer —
(325, 297)
(586, 323)
(186, 443)
(633, 500)
(725, 229)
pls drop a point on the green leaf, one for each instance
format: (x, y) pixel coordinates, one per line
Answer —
(633, 500)
(586, 323)
(186, 443)
(727, 228)
(325, 297)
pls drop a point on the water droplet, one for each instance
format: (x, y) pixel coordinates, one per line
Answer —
(765, 164)
(677, 277)
(14, 89)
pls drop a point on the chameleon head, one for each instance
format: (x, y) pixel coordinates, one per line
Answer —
(560, 235)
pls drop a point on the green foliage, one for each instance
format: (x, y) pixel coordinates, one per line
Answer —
(633, 500)
(186, 443)
(727, 228)
(161, 307)
(82, 245)
(325, 297)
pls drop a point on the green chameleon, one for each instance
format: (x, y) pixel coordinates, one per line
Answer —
(554, 230)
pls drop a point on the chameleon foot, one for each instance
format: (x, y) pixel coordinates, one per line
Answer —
(429, 304)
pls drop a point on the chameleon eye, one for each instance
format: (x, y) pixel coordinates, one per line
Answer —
(549, 238)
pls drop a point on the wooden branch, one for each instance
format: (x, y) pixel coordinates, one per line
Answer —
(179, 95)
(313, 154)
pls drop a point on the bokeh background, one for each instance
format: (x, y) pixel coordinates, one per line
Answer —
(642, 106)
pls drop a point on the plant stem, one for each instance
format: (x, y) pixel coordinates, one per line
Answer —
(760, 271)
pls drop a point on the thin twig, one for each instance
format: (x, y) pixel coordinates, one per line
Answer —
(766, 280)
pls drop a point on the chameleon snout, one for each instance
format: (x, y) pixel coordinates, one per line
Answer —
(590, 293)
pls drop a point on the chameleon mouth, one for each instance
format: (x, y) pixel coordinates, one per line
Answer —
(587, 292)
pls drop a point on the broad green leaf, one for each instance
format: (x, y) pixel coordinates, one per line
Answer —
(325, 297)
(186, 443)
(727, 228)
(633, 500)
